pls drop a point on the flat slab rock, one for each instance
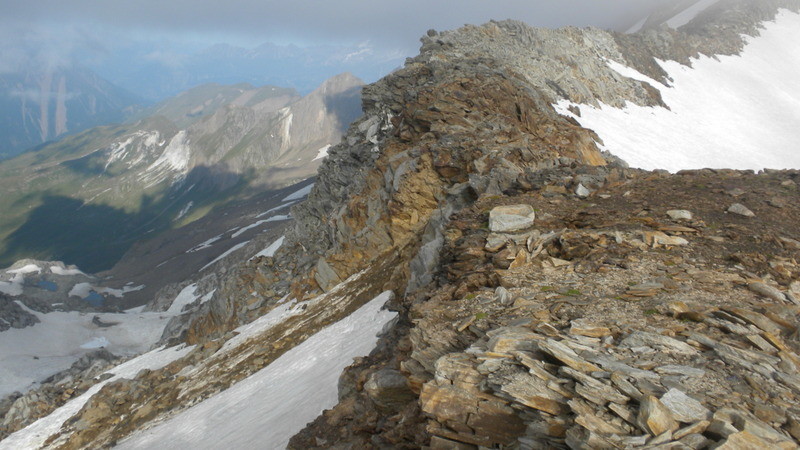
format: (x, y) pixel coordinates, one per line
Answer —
(506, 219)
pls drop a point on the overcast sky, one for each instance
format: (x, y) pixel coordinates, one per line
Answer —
(386, 24)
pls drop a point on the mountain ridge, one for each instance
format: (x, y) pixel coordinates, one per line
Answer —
(547, 295)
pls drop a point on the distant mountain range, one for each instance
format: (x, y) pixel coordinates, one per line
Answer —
(87, 198)
(41, 102)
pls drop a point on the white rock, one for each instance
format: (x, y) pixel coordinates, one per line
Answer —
(504, 219)
(679, 214)
(581, 191)
(684, 408)
(740, 209)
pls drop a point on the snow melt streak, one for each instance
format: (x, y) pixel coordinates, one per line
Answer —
(265, 410)
(739, 112)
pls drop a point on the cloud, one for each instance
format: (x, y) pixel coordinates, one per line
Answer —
(24, 46)
(38, 95)
(386, 24)
(167, 58)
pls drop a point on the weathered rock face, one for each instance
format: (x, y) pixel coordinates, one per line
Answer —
(608, 339)
(464, 132)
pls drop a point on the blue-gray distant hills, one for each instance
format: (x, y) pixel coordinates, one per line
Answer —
(37, 106)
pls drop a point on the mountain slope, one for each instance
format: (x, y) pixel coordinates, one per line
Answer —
(700, 111)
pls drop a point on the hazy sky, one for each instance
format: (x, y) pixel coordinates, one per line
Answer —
(154, 48)
(395, 24)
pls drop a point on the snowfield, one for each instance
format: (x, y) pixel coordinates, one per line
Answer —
(35, 434)
(268, 408)
(739, 112)
(31, 354)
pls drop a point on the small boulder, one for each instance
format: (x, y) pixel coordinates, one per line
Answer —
(740, 209)
(388, 389)
(679, 214)
(505, 219)
(684, 408)
(581, 191)
(654, 417)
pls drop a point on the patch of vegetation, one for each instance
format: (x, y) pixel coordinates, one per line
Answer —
(650, 312)
(481, 315)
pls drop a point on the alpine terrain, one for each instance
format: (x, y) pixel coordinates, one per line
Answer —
(531, 238)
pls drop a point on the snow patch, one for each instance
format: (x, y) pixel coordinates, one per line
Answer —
(637, 26)
(322, 153)
(634, 74)
(277, 218)
(185, 209)
(60, 339)
(286, 129)
(738, 112)
(119, 293)
(205, 244)
(270, 251)
(207, 297)
(80, 290)
(285, 205)
(30, 268)
(176, 155)
(249, 227)
(300, 193)
(185, 297)
(281, 398)
(13, 287)
(98, 342)
(228, 252)
(57, 270)
(278, 314)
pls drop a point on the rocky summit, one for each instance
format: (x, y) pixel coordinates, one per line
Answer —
(543, 294)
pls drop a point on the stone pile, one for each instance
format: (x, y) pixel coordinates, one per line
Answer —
(588, 387)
